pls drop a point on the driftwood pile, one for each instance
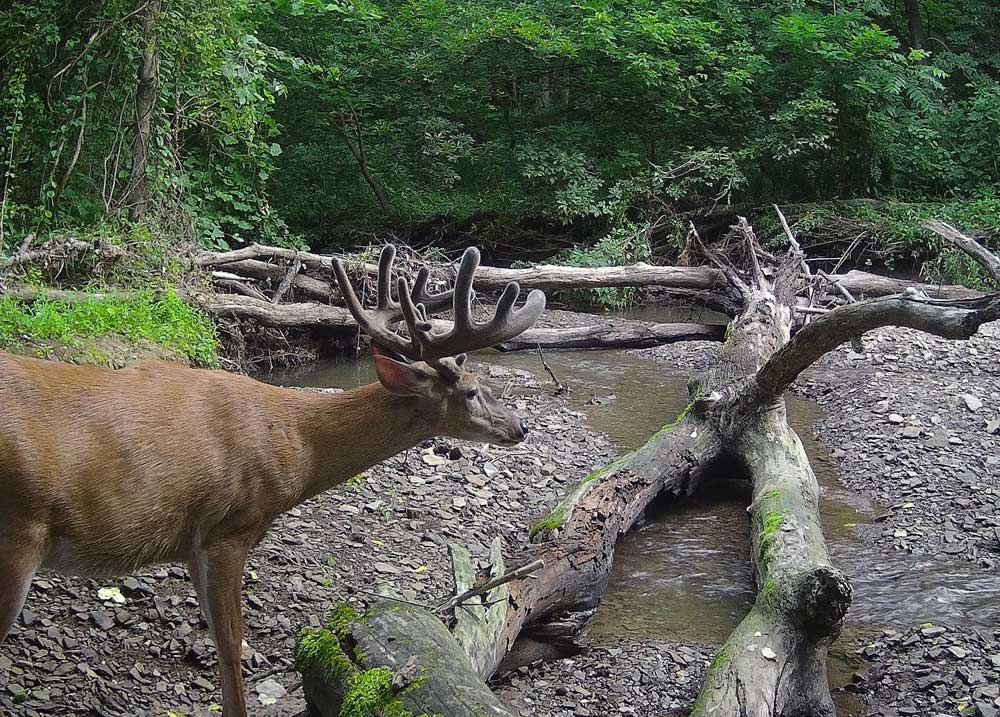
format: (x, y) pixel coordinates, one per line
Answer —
(288, 289)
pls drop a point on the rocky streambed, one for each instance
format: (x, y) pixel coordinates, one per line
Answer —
(897, 426)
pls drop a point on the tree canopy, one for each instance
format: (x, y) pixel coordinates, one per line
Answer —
(302, 120)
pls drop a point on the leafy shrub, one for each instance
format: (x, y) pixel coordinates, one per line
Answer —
(627, 244)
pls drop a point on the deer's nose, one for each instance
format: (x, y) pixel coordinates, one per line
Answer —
(524, 428)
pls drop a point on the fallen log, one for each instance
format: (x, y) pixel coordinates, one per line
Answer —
(861, 284)
(774, 663)
(620, 333)
(528, 619)
(616, 335)
(264, 271)
(396, 659)
(688, 279)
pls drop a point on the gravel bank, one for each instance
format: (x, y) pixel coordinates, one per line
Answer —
(904, 424)
(641, 678)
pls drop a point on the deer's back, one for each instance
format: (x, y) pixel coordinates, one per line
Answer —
(128, 467)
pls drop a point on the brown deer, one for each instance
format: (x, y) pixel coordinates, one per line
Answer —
(103, 472)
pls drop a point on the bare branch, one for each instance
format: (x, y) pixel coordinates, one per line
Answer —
(954, 319)
(286, 282)
(989, 260)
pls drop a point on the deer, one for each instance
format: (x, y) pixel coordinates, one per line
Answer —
(104, 472)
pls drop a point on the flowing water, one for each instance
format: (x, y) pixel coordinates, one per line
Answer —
(685, 573)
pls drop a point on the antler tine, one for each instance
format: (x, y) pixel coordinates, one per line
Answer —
(376, 323)
(466, 334)
(384, 298)
(463, 289)
(432, 302)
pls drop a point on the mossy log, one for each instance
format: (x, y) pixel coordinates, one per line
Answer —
(774, 663)
(397, 660)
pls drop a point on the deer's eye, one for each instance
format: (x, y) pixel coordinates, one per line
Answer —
(472, 393)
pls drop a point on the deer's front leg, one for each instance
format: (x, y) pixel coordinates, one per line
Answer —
(223, 588)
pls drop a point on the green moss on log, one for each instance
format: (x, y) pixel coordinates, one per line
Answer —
(541, 529)
(367, 692)
(673, 424)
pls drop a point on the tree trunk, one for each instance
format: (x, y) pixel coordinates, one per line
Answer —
(915, 23)
(136, 195)
(988, 260)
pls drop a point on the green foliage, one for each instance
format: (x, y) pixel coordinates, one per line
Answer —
(66, 109)
(356, 481)
(587, 113)
(164, 320)
(625, 245)
(595, 118)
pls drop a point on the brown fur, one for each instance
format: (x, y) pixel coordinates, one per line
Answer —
(103, 472)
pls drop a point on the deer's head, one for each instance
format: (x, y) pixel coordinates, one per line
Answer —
(430, 365)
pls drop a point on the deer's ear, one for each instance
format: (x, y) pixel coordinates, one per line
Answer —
(400, 378)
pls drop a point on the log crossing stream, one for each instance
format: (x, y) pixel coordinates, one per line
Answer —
(684, 575)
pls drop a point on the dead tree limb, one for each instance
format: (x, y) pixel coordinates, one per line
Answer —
(618, 335)
(286, 281)
(59, 251)
(989, 260)
(686, 279)
(948, 319)
(265, 271)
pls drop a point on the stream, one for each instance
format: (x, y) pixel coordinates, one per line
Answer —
(684, 574)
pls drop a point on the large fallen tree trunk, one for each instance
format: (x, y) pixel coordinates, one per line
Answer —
(618, 333)
(774, 664)
(614, 335)
(698, 279)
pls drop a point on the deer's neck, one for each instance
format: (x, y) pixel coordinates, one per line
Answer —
(347, 433)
